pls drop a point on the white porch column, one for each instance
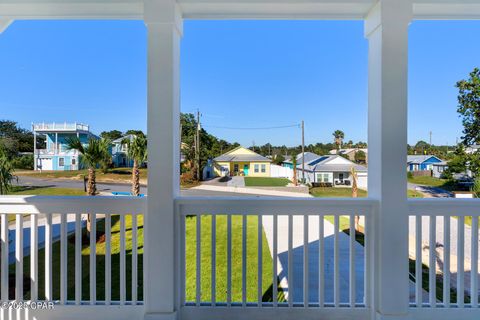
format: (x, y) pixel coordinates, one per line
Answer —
(34, 149)
(164, 26)
(386, 28)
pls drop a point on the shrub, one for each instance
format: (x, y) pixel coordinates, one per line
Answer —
(23, 162)
(409, 175)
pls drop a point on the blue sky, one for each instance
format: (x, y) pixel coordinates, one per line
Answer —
(238, 73)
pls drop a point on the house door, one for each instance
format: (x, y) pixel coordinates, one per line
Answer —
(245, 169)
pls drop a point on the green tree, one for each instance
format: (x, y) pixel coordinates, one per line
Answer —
(136, 150)
(469, 107)
(279, 159)
(111, 135)
(458, 163)
(360, 156)
(338, 138)
(6, 172)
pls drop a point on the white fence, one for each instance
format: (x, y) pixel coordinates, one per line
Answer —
(280, 172)
(307, 265)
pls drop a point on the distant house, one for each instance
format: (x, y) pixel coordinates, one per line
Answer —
(334, 170)
(56, 155)
(309, 156)
(421, 162)
(120, 152)
(472, 149)
(439, 168)
(242, 161)
(350, 153)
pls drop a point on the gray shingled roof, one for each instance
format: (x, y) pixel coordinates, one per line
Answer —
(309, 156)
(419, 158)
(322, 164)
(241, 157)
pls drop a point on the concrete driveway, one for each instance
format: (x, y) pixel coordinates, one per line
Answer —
(431, 192)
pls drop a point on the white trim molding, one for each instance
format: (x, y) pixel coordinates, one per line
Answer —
(4, 24)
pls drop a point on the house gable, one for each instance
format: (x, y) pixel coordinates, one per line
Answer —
(239, 150)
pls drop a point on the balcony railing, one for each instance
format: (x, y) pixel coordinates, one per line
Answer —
(60, 127)
(237, 258)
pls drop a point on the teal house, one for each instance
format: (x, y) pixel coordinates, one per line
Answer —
(56, 156)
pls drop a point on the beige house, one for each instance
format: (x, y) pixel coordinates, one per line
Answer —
(242, 161)
(350, 153)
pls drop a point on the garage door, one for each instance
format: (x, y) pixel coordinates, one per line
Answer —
(45, 164)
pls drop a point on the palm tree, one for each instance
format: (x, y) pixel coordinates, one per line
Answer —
(355, 193)
(136, 150)
(294, 162)
(6, 172)
(92, 156)
(338, 135)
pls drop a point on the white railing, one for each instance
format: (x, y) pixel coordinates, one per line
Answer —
(78, 273)
(60, 126)
(315, 268)
(445, 250)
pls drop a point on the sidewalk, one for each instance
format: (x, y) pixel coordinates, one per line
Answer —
(254, 191)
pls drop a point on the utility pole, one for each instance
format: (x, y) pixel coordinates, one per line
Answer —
(197, 147)
(303, 152)
(430, 139)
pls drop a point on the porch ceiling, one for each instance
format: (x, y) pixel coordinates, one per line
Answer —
(231, 9)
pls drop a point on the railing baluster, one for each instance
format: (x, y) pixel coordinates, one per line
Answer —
(290, 260)
(446, 261)
(108, 258)
(63, 258)
(460, 261)
(122, 261)
(244, 260)
(199, 261)
(93, 260)
(134, 260)
(474, 262)
(33, 257)
(260, 262)
(78, 258)
(4, 261)
(214, 259)
(321, 261)
(432, 281)
(418, 261)
(275, 259)
(368, 241)
(305, 261)
(19, 257)
(336, 272)
(352, 262)
(229, 260)
(48, 257)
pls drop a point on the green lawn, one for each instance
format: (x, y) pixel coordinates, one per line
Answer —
(46, 191)
(265, 182)
(321, 192)
(221, 257)
(432, 182)
(221, 264)
(347, 193)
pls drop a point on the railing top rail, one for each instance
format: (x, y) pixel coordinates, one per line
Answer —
(72, 204)
(276, 206)
(444, 206)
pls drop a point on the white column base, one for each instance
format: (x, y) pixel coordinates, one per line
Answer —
(160, 316)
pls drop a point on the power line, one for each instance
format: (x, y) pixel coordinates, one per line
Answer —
(254, 128)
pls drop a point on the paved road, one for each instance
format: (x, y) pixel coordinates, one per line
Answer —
(433, 192)
(123, 187)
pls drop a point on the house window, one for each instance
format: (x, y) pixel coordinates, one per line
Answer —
(235, 168)
(264, 168)
(73, 161)
(323, 177)
(255, 168)
(61, 162)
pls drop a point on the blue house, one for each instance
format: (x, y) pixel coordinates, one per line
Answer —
(120, 152)
(421, 162)
(56, 156)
